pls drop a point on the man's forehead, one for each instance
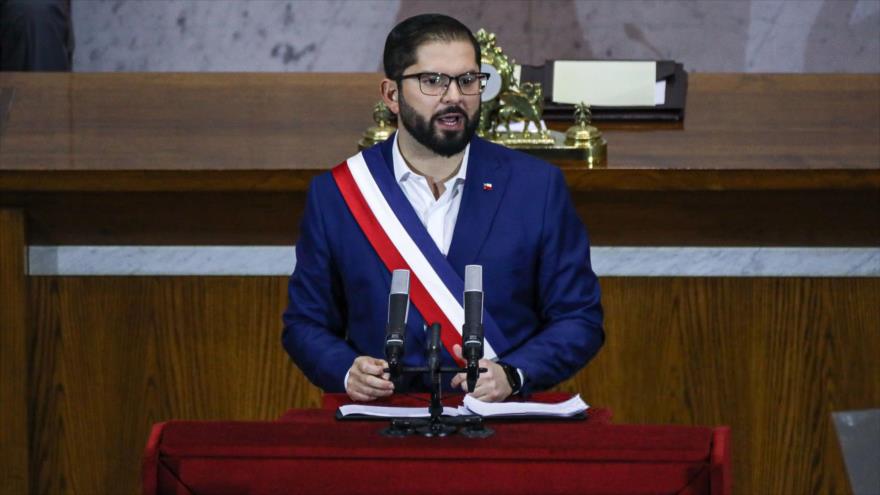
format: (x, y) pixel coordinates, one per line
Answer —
(456, 55)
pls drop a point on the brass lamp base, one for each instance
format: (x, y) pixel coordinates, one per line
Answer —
(379, 132)
(593, 154)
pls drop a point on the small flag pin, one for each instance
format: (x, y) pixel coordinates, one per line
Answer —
(487, 186)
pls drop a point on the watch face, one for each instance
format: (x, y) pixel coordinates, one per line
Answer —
(493, 85)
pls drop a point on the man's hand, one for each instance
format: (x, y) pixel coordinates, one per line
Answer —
(492, 386)
(367, 380)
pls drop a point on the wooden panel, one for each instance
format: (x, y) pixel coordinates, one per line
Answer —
(621, 218)
(114, 355)
(770, 357)
(197, 218)
(6, 95)
(13, 362)
(742, 121)
(164, 121)
(731, 218)
(128, 121)
(129, 159)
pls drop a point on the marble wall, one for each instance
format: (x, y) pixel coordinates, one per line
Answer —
(348, 35)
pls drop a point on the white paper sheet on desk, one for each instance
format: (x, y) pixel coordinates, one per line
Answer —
(605, 83)
(471, 406)
(571, 407)
(393, 412)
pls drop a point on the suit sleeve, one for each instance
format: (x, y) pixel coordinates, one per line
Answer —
(314, 322)
(568, 295)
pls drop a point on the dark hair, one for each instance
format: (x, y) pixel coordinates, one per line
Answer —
(410, 34)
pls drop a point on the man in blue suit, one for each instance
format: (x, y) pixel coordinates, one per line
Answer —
(433, 199)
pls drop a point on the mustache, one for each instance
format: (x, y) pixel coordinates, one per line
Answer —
(451, 109)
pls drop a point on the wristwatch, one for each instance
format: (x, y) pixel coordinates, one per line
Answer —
(512, 378)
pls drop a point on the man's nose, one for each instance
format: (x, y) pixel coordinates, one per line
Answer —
(452, 93)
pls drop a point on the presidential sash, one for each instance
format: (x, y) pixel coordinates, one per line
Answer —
(401, 241)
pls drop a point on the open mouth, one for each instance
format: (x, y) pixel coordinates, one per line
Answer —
(451, 121)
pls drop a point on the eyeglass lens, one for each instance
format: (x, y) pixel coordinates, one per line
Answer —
(435, 84)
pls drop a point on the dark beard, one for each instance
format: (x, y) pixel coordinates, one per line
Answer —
(444, 143)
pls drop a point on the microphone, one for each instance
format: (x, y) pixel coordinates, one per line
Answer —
(398, 309)
(472, 329)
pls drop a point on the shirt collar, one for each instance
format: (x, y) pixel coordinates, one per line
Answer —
(402, 171)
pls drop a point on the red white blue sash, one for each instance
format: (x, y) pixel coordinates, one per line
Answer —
(402, 242)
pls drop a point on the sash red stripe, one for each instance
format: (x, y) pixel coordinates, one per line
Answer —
(392, 258)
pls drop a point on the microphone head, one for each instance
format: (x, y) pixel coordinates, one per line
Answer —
(400, 282)
(473, 278)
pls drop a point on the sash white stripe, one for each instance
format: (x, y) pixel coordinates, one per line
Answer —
(446, 301)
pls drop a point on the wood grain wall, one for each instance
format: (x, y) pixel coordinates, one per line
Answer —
(13, 364)
(773, 358)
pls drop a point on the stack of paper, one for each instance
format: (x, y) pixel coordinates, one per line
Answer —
(571, 407)
(393, 412)
(472, 406)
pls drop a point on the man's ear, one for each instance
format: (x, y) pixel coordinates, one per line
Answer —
(390, 95)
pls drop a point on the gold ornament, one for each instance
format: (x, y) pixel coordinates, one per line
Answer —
(585, 136)
(383, 128)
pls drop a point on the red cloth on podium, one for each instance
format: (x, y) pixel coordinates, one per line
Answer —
(310, 452)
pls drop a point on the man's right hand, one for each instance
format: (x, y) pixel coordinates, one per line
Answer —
(367, 379)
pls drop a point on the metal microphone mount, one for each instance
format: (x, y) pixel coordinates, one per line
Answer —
(436, 425)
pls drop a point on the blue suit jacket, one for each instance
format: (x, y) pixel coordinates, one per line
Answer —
(538, 282)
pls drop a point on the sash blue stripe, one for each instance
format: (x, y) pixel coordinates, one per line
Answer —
(384, 177)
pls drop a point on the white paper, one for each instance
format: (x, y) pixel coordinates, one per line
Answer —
(472, 406)
(660, 92)
(571, 407)
(605, 83)
(393, 412)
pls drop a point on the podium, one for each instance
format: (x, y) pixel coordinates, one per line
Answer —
(308, 451)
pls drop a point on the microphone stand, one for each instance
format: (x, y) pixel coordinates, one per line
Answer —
(437, 425)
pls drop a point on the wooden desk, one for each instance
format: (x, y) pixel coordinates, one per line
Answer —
(761, 160)
(226, 158)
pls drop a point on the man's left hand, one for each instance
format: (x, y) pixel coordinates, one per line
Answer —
(492, 385)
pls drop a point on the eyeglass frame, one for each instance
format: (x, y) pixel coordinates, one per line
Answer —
(483, 77)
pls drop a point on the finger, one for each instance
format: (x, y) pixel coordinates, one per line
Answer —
(487, 378)
(490, 390)
(493, 370)
(376, 393)
(374, 367)
(456, 349)
(371, 392)
(488, 395)
(459, 379)
(482, 390)
(358, 391)
(377, 383)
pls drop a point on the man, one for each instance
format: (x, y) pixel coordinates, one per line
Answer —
(433, 199)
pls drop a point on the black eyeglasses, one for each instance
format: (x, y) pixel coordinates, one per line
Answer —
(436, 83)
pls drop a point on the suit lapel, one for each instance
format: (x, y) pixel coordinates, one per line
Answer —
(484, 186)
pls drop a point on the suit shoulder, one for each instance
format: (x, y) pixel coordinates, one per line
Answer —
(322, 181)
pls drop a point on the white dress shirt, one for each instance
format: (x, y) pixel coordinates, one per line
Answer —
(438, 215)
